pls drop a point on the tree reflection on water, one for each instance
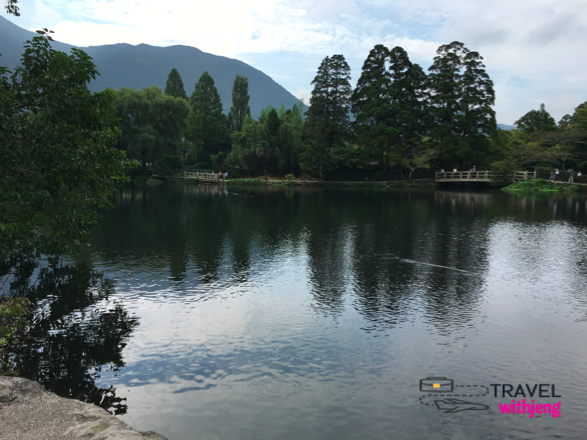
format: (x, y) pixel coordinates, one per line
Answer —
(76, 333)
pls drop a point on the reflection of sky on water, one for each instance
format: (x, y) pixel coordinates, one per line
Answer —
(299, 314)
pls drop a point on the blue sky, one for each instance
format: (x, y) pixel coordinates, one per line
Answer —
(534, 50)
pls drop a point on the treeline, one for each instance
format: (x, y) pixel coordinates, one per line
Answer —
(169, 131)
(398, 120)
(542, 144)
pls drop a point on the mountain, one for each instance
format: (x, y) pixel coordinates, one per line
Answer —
(506, 127)
(125, 65)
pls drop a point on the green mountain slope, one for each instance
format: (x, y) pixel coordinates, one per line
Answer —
(124, 65)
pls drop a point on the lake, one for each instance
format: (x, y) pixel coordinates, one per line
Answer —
(317, 313)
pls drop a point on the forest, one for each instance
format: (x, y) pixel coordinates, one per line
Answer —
(399, 122)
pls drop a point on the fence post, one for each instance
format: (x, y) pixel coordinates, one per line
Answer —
(525, 175)
(535, 174)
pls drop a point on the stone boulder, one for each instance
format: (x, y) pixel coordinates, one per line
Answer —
(28, 412)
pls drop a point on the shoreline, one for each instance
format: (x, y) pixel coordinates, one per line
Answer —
(383, 184)
(419, 183)
(29, 412)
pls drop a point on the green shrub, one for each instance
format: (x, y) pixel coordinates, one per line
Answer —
(168, 166)
(502, 172)
(14, 318)
(247, 181)
(539, 185)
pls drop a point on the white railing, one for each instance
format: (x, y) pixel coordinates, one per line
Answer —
(479, 176)
(204, 176)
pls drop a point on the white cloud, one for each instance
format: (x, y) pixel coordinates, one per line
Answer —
(259, 26)
(304, 95)
(532, 50)
(42, 11)
(536, 41)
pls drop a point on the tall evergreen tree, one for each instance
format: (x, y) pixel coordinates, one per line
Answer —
(272, 128)
(174, 86)
(477, 101)
(341, 92)
(207, 125)
(389, 106)
(240, 102)
(371, 104)
(327, 121)
(205, 98)
(461, 99)
(409, 110)
(273, 123)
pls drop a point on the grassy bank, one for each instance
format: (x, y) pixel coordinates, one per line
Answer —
(540, 186)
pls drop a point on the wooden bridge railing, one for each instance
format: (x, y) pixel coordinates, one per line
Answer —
(204, 176)
(479, 176)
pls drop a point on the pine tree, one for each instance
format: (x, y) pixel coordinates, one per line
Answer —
(389, 106)
(272, 129)
(207, 125)
(273, 123)
(341, 98)
(461, 99)
(174, 86)
(240, 102)
(409, 111)
(205, 98)
(371, 104)
(327, 123)
(478, 99)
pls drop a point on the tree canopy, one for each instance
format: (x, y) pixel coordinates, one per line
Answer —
(537, 120)
(389, 106)
(152, 123)
(57, 143)
(461, 100)
(405, 120)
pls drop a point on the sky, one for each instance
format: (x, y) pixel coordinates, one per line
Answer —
(534, 50)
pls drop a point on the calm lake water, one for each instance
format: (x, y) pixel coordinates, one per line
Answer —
(307, 313)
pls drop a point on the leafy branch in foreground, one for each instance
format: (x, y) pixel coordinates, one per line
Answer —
(14, 314)
(11, 8)
(57, 146)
